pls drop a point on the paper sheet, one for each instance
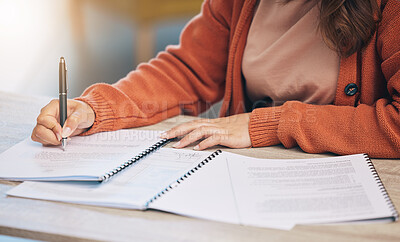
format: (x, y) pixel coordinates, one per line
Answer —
(208, 194)
(84, 157)
(236, 189)
(130, 189)
(305, 191)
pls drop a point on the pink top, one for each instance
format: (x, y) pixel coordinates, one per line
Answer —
(285, 57)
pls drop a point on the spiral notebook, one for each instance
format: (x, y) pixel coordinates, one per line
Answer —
(237, 189)
(96, 157)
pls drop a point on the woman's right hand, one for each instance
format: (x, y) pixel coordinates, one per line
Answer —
(48, 130)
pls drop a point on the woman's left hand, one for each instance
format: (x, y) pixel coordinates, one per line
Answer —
(232, 131)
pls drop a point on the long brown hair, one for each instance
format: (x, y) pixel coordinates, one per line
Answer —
(348, 25)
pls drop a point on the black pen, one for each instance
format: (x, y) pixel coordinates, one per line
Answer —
(62, 95)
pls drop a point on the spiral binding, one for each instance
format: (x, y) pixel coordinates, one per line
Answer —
(133, 160)
(184, 177)
(382, 188)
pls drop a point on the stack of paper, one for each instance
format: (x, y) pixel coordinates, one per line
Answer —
(219, 186)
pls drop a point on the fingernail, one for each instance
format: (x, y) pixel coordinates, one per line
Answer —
(163, 135)
(176, 144)
(66, 132)
(197, 147)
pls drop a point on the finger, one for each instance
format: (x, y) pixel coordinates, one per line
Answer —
(51, 123)
(44, 135)
(76, 120)
(78, 131)
(34, 137)
(199, 133)
(185, 128)
(81, 117)
(216, 139)
(37, 139)
(48, 117)
(51, 108)
(86, 114)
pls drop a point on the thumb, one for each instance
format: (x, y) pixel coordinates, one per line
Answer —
(71, 124)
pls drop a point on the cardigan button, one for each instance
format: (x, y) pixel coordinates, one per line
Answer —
(351, 89)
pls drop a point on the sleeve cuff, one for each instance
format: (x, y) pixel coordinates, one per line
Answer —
(104, 116)
(263, 126)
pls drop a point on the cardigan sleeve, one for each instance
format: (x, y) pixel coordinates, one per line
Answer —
(186, 78)
(372, 129)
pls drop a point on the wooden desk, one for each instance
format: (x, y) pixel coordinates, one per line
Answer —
(56, 221)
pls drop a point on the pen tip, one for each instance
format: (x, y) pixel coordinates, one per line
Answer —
(63, 143)
(62, 60)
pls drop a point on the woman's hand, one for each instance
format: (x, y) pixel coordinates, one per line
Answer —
(232, 131)
(48, 130)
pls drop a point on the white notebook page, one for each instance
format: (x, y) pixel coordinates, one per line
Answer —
(85, 156)
(326, 190)
(208, 194)
(131, 188)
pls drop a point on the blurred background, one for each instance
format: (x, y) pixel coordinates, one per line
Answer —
(101, 40)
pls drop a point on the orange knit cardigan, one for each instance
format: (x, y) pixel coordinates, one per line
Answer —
(206, 67)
